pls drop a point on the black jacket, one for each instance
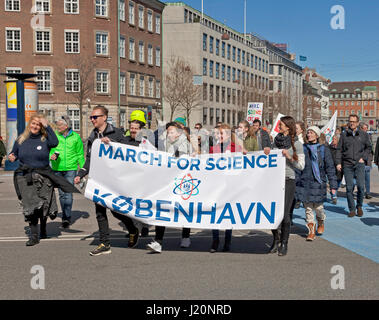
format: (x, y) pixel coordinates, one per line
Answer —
(113, 133)
(265, 139)
(352, 148)
(376, 157)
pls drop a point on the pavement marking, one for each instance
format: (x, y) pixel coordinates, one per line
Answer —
(9, 213)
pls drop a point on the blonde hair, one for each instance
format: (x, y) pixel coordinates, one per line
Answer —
(26, 134)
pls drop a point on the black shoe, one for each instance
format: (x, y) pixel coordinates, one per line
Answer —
(226, 247)
(53, 215)
(133, 239)
(274, 247)
(32, 241)
(368, 196)
(65, 224)
(282, 250)
(101, 249)
(334, 200)
(215, 244)
(144, 232)
(297, 204)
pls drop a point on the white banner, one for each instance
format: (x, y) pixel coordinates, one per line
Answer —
(275, 126)
(216, 191)
(330, 128)
(254, 111)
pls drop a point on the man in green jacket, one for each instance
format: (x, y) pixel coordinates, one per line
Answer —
(66, 158)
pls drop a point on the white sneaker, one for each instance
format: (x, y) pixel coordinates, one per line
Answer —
(155, 246)
(186, 242)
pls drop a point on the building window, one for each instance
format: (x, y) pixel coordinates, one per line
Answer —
(13, 39)
(12, 70)
(72, 42)
(131, 12)
(74, 115)
(43, 80)
(140, 17)
(132, 84)
(205, 67)
(243, 57)
(158, 89)
(205, 42)
(158, 57)
(223, 49)
(122, 47)
(142, 86)
(122, 10)
(239, 55)
(158, 24)
(102, 43)
(205, 91)
(72, 80)
(217, 70)
(122, 83)
(141, 52)
(102, 82)
(228, 73)
(42, 6)
(217, 47)
(223, 72)
(234, 54)
(228, 52)
(71, 6)
(131, 49)
(150, 54)
(211, 116)
(43, 41)
(150, 21)
(211, 92)
(211, 44)
(205, 116)
(151, 87)
(210, 68)
(101, 8)
(12, 5)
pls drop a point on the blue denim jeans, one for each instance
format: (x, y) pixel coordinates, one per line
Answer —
(66, 199)
(358, 172)
(367, 179)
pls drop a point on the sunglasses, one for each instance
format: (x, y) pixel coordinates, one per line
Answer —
(95, 117)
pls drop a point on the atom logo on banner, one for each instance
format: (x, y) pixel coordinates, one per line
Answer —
(186, 186)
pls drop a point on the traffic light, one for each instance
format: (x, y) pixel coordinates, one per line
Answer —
(149, 117)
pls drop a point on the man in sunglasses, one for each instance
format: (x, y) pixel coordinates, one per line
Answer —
(353, 151)
(106, 132)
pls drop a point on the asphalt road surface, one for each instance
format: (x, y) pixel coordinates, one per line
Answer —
(341, 264)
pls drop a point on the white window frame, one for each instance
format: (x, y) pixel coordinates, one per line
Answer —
(157, 24)
(131, 13)
(141, 86)
(101, 43)
(141, 18)
(149, 20)
(9, 5)
(132, 84)
(141, 53)
(12, 70)
(72, 82)
(71, 41)
(13, 40)
(71, 4)
(122, 10)
(123, 83)
(102, 82)
(122, 46)
(39, 6)
(47, 84)
(132, 49)
(150, 54)
(158, 89)
(157, 56)
(74, 115)
(102, 5)
(151, 87)
(43, 41)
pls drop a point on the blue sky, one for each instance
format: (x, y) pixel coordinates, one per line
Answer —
(351, 54)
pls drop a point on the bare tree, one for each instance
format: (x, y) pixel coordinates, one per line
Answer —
(173, 81)
(78, 79)
(179, 90)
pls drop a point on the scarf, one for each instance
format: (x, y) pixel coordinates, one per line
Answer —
(282, 142)
(314, 159)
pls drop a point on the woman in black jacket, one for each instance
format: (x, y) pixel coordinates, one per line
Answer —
(34, 189)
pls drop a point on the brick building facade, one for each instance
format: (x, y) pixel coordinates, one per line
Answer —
(84, 55)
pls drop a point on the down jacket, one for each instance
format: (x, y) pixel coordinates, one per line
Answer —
(308, 189)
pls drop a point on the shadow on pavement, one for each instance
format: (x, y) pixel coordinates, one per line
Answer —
(370, 221)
